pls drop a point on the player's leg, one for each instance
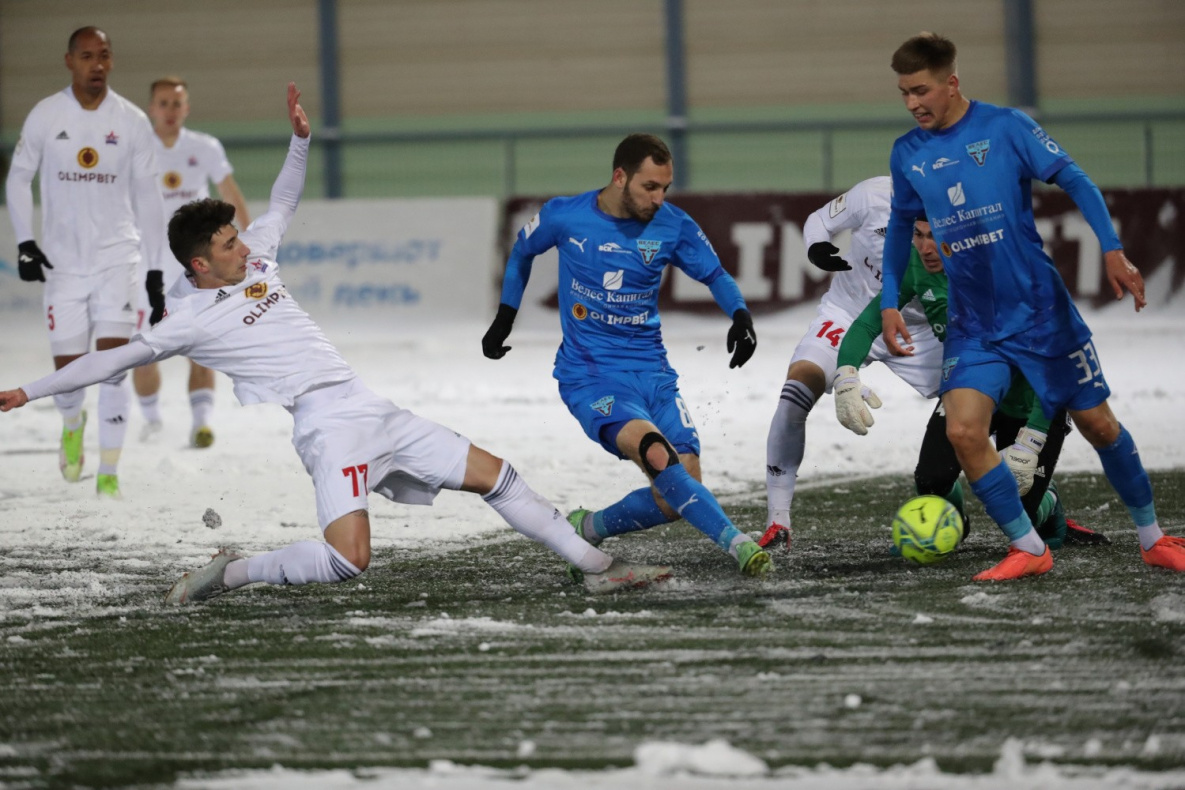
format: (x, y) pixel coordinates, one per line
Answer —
(812, 365)
(1121, 463)
(343, 555)
(975, 378)
(68, 322)
(642, 443)
(146, 383)
(937, 471)
(201, 403)
(602, 409)
(146, 378)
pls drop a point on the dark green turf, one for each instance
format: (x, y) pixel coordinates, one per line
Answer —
(349, 676)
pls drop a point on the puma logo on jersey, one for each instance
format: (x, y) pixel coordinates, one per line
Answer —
(580, 243)
(929, 296)
(921, 169)
(62, 135)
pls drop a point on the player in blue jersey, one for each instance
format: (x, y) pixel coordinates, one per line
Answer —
(614, 244)
(969, 168)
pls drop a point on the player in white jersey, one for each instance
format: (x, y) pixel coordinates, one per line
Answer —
(100, 205)
(863, 210)
(233, 314)
(189, 162)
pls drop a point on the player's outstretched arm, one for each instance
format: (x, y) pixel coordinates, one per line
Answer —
(1124, 276)
(892, 326)
(300, 121)
(13, 399)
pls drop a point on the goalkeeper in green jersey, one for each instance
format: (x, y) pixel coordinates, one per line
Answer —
(1029, 441)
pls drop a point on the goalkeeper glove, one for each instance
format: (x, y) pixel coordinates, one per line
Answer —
(850, 397)
(495, 336)
(154, 283)
(29, 261)
(1021, 457)
(823, 254)
(742, 338)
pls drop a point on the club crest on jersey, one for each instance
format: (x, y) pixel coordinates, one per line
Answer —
(604, 405)
(947, 366)
(979, 151)
(579, 311)
(255, 291)
(88, 157)
(648, 249)
(172, 179)
(112, 138)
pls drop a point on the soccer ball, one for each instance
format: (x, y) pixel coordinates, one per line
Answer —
(927, 529)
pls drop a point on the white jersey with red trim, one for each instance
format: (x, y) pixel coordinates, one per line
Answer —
(87, 161)
(863, 210)
(186, 170)
(254, 331)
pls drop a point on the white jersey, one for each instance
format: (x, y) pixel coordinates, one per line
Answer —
(863, 210)
(88, 161)
(185, 173)
(254, 332)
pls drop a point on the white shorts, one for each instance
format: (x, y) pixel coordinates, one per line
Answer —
(351, 441)
(79, 307)
(820, 345)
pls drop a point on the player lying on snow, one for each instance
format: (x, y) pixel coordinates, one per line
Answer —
(1029, 441)
(233, 314)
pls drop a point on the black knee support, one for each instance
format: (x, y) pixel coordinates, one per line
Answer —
(648, 441)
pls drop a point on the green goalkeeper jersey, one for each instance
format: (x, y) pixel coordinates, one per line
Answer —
(930, 291)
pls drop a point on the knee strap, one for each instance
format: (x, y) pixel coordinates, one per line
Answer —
(648, 441)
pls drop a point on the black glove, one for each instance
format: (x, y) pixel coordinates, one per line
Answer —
(823, 255)
(29, 261)
(495, 336)
(154, 283)
(742, 337)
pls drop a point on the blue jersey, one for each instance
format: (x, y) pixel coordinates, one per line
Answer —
(973, 181)
(610, 270)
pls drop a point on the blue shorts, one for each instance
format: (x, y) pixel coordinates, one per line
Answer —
(604, 407)
(1071, 381)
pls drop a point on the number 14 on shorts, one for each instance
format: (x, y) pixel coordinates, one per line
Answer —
(832, 331)
(354, 473)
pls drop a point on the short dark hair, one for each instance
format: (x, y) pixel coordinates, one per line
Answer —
(86, 31)
(636, 149)
(925, 52)
(169, 81)
(192, 228)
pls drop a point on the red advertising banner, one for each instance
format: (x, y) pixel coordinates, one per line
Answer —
(759, 240)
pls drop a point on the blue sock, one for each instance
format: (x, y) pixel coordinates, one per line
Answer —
(1121, 463)
(694, 502)
(636, 511)
(997, 491)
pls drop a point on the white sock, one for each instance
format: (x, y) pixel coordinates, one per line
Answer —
(784, 448)
(538, 519)
(70, 407)
(201, 402)
(1149, 535)
(113, 422)
(150, 407)
(300, 563)
(1030, 542)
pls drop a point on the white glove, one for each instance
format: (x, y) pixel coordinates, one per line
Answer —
(850, 397)
(1021, 457)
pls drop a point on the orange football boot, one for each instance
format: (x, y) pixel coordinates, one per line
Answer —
(1015, 565)
(1168, 552)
